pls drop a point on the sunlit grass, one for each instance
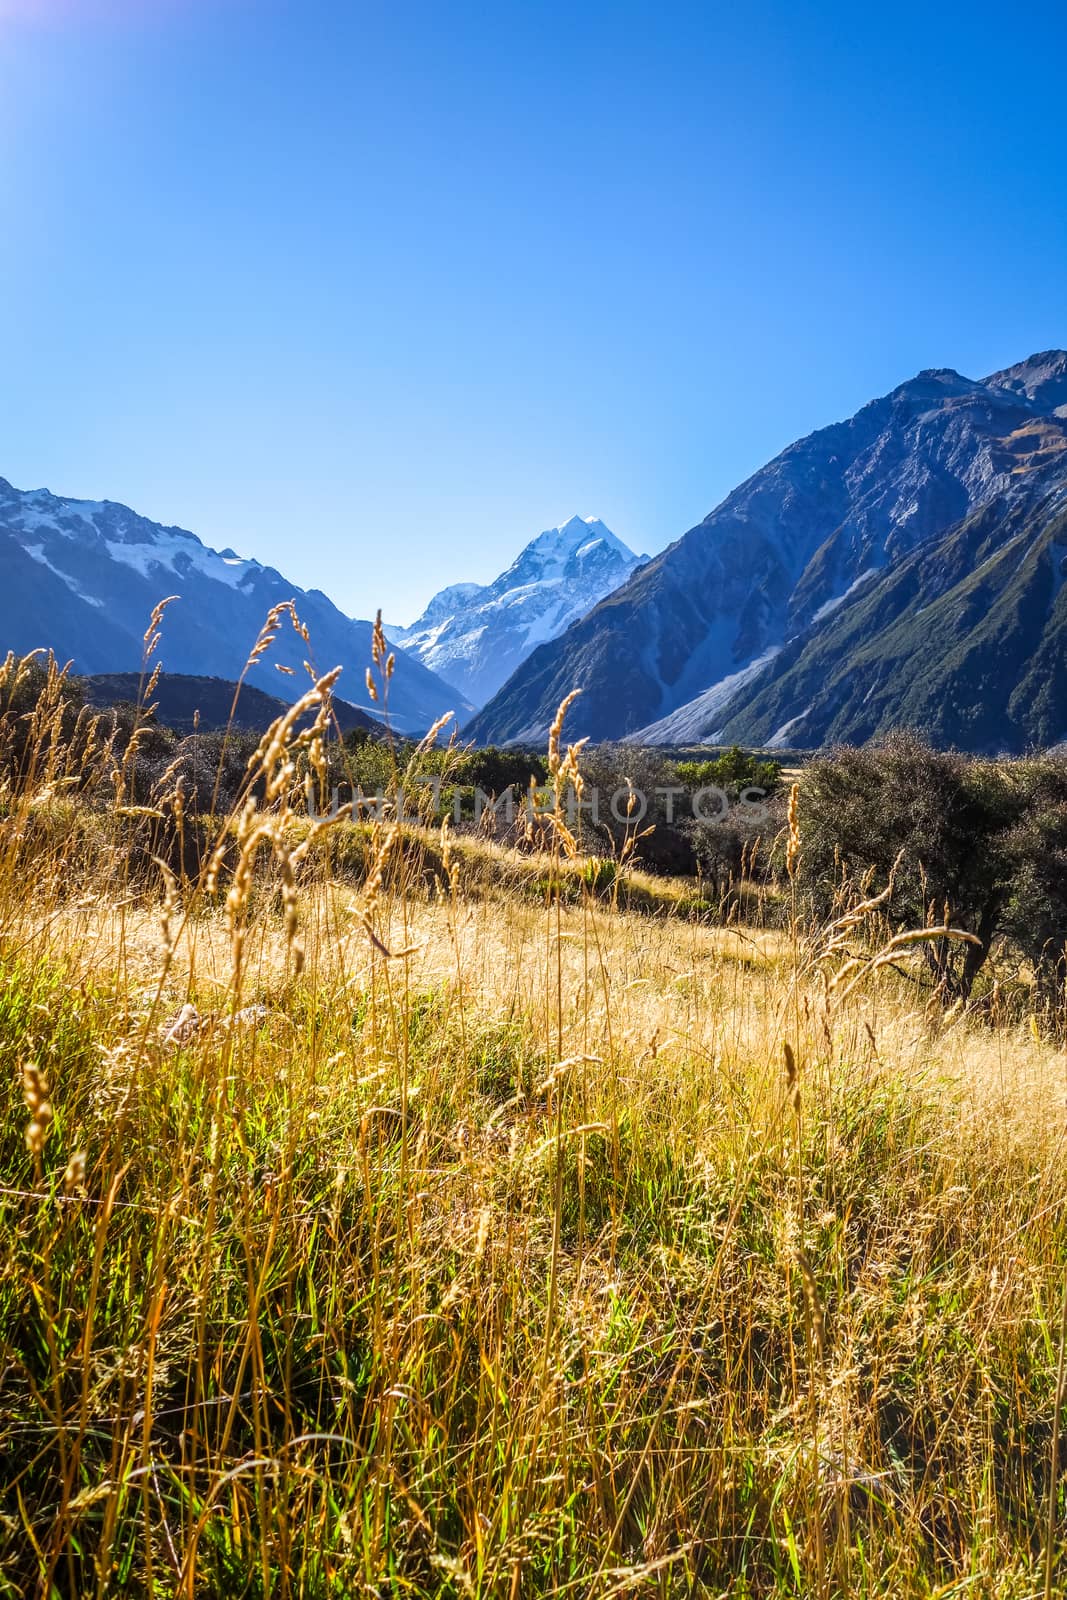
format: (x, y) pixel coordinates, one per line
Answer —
(494, 1251)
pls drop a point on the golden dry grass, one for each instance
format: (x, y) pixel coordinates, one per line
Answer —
(456, 1244)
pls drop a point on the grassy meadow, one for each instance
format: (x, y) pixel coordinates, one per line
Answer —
(508, 1229)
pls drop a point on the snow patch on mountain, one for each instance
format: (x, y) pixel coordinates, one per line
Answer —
(36, 553)
(694, 722)
(180, 556)
(838, 600)
(779, 739)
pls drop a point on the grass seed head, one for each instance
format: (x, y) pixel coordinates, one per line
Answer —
(74, 1175)
(557, 728)
(793, 847)
(35, 1094)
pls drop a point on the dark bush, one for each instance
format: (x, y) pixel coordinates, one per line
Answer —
(980, 842)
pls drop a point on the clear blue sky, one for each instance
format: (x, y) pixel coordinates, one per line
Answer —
(376, 292)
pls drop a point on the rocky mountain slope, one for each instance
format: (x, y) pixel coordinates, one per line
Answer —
(966, 640)
(858, 581)
(82, 577)
(476, 635)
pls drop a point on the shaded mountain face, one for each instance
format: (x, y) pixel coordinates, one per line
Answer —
(965, 640)
(475, 635)
(692, 645)
(187, 703)
(81, 577)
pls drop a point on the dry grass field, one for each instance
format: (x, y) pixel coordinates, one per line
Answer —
(362, 1237)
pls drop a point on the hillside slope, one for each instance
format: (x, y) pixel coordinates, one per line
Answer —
(184, 701)
(965, 640)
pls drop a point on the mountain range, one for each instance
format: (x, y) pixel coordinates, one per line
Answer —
(82, 577)
(476, 635)
(906, 566)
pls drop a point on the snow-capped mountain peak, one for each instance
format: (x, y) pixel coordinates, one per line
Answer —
(553, 552)
(475, 635)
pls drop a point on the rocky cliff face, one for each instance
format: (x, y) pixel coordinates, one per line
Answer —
(690, 647)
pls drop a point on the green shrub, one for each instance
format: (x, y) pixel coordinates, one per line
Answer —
(733, 771)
